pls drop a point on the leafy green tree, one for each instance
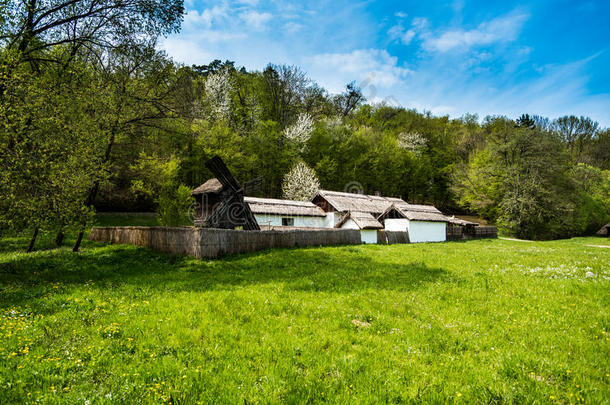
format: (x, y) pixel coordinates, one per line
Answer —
(48, 159)
(577, 133)
(158, 179)
(522, 181)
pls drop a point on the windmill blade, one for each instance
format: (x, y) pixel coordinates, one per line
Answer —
(222, 173)
(253, 186)
(233, 212)
(250, 221)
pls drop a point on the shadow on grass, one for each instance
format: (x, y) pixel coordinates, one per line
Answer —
(24, 277)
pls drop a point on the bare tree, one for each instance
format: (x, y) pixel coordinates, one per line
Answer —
(347, 101)
(576, 132)
(284, 90)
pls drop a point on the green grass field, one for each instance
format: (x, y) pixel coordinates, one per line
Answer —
(488, 321)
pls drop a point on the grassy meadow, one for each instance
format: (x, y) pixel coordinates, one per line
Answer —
(490, 321)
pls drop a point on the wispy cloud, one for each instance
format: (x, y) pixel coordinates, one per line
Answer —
(292, 27)
(500, 29)
(405, 36)
(254, 19)
(374, 67)
(445, 61)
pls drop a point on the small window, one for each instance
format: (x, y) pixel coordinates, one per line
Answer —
(287, 221)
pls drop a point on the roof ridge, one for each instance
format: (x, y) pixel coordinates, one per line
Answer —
(358, 195)
(263, 200)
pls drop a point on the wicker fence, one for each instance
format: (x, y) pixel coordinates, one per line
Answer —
(210, 243)
(392, 237)
(477, 232)
(485, 232)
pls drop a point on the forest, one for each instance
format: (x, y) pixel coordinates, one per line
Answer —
(95, 118)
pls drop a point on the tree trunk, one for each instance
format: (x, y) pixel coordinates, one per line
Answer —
(33, 240)
(59, 238)
(79, 239)
(93, 191)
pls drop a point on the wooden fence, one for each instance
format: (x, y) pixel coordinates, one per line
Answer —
(392, 237)
(210, 243)
(477, 232)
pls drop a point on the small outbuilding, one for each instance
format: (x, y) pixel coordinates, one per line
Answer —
(424, 223)
(206, 196)
(365, 222)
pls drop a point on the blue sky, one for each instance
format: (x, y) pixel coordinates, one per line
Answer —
(550, 58)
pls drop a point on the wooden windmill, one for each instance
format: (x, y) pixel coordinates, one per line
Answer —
(232, 211)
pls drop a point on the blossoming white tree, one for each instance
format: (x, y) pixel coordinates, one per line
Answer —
(218, 89)
(301, 130)
(411, 141)
(300, 183)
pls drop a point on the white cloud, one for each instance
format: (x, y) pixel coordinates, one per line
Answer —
(204, 19)
(418, 25)
(500, 29)
(254, 19)
(454, 90)
(485, 78)
(368, 67)
(292, 27)
(398, 32)
(186, 51)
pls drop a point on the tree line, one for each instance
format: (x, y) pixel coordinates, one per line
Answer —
(94, 117)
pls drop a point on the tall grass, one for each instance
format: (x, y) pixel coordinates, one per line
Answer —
(488, 321)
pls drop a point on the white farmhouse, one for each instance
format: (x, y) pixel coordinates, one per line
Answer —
(271, 212)
(424, 223)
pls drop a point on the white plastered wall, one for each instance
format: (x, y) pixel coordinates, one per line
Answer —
(368, 235)
(419, 231)
(422, 231)
(302, 222)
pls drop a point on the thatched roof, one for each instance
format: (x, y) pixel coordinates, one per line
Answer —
(357, 202)
(462, 222)
(364, 220)
(415, 212)
(377, 206)
(604, 230)
(274, 206)
(210, 186)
